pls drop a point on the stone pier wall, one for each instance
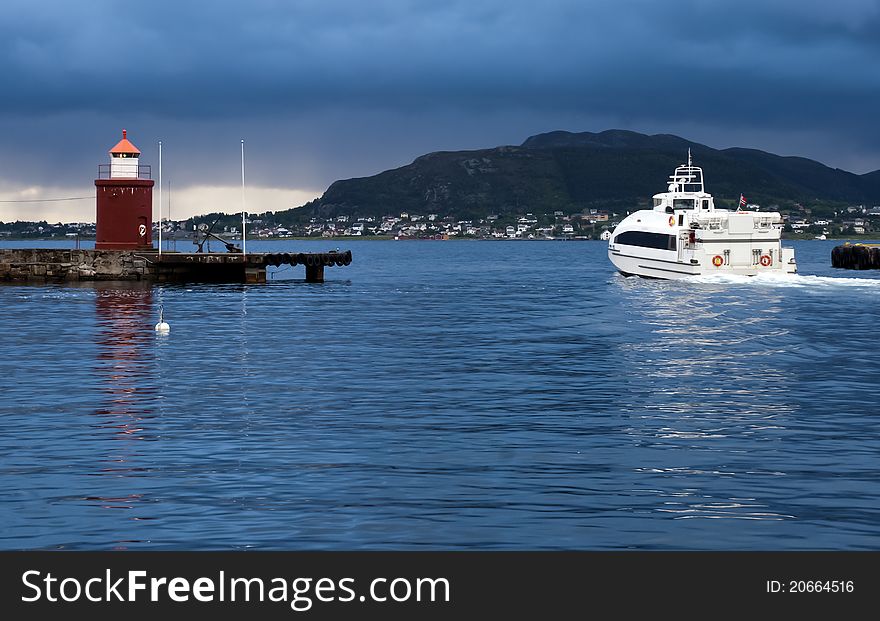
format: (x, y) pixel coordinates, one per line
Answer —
(45, 264)
(51, 264)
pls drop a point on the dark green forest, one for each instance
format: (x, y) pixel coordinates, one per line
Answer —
(570, 172)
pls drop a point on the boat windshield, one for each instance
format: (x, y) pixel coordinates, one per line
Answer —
(683, 203)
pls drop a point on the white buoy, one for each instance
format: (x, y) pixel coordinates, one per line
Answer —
(162, 327)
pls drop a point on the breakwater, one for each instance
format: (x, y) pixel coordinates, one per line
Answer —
(856, 256)
(49, 264)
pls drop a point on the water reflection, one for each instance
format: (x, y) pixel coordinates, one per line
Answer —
(128, 392)
(124, 339)
(703, 350)
(703, 390)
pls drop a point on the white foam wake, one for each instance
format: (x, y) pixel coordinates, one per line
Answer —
(786, 280)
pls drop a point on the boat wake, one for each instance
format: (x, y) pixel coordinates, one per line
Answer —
(787, 280)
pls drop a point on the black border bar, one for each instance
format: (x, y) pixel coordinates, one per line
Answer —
(519, 584)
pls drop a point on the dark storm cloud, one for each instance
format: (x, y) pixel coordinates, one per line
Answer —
(310, 79)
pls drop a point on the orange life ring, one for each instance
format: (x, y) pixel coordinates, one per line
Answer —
(717, 260)
(766, 260)
(671, 220)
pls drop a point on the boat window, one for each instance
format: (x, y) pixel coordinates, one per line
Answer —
(705, 203)
(683, 203)
(646, 240)
(658, 202)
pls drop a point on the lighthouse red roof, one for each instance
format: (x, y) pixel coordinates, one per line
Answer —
(124, 146)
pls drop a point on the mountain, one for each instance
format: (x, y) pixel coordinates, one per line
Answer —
(572, 171)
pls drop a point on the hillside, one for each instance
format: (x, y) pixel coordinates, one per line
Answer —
(565, 171)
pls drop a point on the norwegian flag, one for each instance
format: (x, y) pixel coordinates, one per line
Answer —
(742, 202)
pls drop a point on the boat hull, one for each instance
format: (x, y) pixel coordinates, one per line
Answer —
(630, 262)
(635, 264)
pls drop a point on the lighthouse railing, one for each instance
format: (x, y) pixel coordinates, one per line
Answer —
(144, 171)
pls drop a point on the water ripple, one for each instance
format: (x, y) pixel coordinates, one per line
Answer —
(445, 395)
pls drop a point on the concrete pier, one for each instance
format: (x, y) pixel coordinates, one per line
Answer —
(49, 264)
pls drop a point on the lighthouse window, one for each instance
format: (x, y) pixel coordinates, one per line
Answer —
(646, 240)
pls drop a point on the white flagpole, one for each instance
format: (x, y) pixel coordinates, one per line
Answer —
(169, 216)
(243, 211)
(160, 198)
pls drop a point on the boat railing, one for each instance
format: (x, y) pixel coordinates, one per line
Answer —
(766, 222)
(712, 223)
(688, 179)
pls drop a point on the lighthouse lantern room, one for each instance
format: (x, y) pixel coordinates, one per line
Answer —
(124, 159)
(124, 201)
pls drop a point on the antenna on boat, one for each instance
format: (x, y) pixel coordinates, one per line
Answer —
(689, 158)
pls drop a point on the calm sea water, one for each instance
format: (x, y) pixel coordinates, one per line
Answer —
(516, 395)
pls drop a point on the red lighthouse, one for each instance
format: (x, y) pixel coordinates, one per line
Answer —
(124, 201)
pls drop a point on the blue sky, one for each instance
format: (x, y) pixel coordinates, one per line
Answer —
(322, 90)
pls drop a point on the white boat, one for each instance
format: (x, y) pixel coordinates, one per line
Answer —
(684, 235)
